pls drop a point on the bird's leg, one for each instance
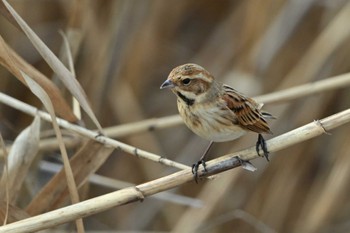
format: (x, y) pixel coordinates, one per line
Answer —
(262, 144)
(201, 161)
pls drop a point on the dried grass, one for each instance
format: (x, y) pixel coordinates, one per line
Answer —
(122, 51)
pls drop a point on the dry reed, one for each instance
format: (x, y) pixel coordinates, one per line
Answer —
(294, 51)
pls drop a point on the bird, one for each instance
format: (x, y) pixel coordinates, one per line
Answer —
(215, 111)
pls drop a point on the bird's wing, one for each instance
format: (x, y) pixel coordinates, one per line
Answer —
(246, 110)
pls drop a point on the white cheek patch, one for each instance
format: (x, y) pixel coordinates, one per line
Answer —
(198, 98)
(188, 94)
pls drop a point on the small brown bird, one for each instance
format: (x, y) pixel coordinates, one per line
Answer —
(213, 110)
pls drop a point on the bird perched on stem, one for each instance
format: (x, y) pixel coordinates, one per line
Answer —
(215, 111)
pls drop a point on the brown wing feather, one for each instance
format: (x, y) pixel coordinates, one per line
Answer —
(246, 110)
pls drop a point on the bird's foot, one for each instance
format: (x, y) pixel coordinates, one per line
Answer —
(195, 167)
(262, 144)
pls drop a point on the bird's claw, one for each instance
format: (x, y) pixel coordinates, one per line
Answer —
(195, 167)
(262, 144)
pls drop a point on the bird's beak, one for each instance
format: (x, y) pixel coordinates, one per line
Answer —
(167, 84)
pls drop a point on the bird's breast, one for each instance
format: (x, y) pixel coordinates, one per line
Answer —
(210, 121)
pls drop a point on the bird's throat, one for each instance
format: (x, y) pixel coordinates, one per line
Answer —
(188, 101)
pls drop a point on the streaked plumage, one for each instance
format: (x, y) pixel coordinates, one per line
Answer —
(212, 110)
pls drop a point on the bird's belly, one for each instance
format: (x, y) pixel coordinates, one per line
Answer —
(212, 125)
(223, 135)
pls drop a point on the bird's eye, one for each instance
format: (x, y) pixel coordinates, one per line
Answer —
(186, 81)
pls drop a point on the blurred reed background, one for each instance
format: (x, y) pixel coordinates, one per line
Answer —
(124, 50)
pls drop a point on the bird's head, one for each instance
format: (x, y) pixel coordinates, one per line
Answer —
(189, 80)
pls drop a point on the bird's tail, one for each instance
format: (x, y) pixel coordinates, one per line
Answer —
(267, 115)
